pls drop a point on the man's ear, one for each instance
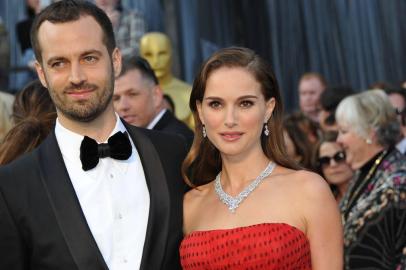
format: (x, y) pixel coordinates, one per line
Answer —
(117, 62)
(41, 74)
(157, 96)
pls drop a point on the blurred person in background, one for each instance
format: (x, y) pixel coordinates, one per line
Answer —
(374, 207)
(34, 116)
(329, 158)
(4, 56)
(398, 99)
(138, 99)
(6, 104)
(26, 62)
(299, 134)
(329, 100)
(128, 25)
(311, 85)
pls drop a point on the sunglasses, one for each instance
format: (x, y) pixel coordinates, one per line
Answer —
(338, 158)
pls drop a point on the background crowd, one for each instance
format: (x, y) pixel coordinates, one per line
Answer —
(354, 136)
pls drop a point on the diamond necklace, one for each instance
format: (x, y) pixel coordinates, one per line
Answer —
(233, 202)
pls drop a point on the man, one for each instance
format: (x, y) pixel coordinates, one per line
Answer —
(311, 85)
(329, 100)
(138, 99)
(397, 97)
(77, 204)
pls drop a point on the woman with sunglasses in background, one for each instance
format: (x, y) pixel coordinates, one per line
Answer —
(329, 159)
(374, 207)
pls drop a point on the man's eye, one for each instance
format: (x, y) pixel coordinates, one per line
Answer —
(90, 59)
(246, 103)
(57, 64)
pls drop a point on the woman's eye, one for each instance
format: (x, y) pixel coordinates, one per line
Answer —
(215, 104)
(246, 103)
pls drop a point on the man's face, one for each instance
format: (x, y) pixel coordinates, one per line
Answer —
(77, 68)
(155, 48)
(136, 99)
(309, 95)
(397, 101)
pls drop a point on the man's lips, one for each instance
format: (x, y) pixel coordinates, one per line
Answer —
(129, 118)
(80, 93)
(231, 136)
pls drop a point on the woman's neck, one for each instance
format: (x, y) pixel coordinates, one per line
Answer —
(237, 173)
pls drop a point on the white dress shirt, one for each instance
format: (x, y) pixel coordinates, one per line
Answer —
(156, 119)
(114, 198)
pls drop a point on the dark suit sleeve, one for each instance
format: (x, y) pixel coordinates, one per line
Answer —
(12, 255)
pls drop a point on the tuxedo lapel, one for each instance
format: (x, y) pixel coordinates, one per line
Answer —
(163, 122)
(158, 220)
(66, 206)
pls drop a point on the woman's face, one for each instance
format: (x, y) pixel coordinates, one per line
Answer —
(290, 147)
(355, 146)
(332, 161)
(234, 111)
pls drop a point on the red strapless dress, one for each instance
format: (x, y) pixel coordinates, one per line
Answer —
(262, 246)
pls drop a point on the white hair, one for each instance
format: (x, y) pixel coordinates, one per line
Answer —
(369, 111)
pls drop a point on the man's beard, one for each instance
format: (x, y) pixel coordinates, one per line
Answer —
(87, 110)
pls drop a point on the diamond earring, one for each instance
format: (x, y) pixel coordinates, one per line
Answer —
(204, 131)
(368, 141)
(266, 130)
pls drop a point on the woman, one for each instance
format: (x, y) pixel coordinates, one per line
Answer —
(330, 163)
(300, 135)
(250, 208)
(374, 208)
(34, 116)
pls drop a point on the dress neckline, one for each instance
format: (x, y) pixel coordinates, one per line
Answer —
(191, 234)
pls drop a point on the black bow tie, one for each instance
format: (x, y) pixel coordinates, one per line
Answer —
(118, 146)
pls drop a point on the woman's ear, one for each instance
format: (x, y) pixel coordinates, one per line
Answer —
(199, 111)
(270, 106)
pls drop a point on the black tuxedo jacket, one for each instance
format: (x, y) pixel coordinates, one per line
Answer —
(170, 124)
(42, 225)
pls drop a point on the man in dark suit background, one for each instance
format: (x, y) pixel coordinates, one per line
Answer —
(138, 99)
(74, 203)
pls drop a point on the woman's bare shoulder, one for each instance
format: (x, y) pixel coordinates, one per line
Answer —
(302, 181)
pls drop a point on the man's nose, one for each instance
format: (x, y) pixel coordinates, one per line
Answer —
(77, 74)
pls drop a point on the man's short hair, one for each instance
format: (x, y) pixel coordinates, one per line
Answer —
(402, 93)
(140, 64)
(315, 75)
(68, 11)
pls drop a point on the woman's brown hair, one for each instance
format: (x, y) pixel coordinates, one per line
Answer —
(34, 116)
(203, 161)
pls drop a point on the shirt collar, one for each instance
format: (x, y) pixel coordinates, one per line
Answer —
(69, 142)
(156, 119)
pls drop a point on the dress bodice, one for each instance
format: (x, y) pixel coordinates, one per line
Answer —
(261, 246)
